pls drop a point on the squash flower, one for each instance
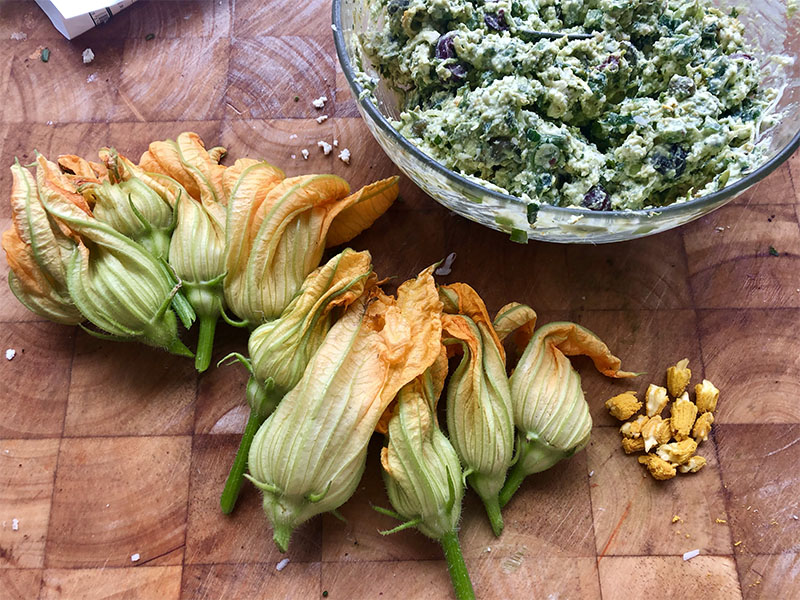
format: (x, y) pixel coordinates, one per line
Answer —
(550, 411)
(277, 233)
(114, 282)
(422, 471)
(129, 205)
(281, 349)
(197, 251)
(308, 456)
(38, 254)
(479, 416)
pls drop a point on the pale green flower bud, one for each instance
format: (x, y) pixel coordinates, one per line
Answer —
(281, 349)
(550, 410)
(308, 456)
(117, 285)
(421, 469)
(38, 253)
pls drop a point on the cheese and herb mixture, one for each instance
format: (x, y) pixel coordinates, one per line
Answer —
(663, 102)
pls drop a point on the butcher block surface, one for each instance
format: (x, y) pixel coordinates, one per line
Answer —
(112, 450)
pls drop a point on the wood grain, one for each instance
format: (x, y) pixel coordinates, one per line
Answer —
(110, 450)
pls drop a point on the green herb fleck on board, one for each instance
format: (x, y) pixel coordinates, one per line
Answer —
(297, 98)
(45, 55)
(150, 36)
(325, 594)
(773, 252)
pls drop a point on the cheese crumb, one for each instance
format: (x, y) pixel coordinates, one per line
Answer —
(739, 543)
(19, 36)
(344, 155)
(293, 136)
(319, 102)
(591, 473)
(282, 564)
(88, 56)
(92, 77)
(304, 152)
(135, 557)
(294, 156)
(14, 524)
(336, 145)
(326, 147)
(721, 521)
(691, 554)
(10, 354)
(322, 118)
(675, 519)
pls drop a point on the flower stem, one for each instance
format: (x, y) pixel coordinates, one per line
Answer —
(205, 342)
(456, 566)
(234, 482)
(492, 506)
(514, 480)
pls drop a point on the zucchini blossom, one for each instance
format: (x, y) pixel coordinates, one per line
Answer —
(38, 252)
(422, 471)
(197, 251)
(277, 233)
(308, 456)
(281, 349)
(115, 283)
(479, 416)
(550, 411)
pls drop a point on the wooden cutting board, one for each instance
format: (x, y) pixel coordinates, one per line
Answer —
(109, 451)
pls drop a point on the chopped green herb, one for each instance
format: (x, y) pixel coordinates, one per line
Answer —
(297, 98)
(734, 12)
(773, 252)
(532, 135)
(150, 36)
(45, 55)
(519, 236)
(325, 593)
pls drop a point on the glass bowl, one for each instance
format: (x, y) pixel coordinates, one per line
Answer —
(768, 29)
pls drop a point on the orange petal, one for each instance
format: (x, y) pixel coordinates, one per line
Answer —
(364, 208)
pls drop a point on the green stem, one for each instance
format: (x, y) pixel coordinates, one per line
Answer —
(492, 506)
(205, 342)
(456, 566)
(234, 482)
(513, 481)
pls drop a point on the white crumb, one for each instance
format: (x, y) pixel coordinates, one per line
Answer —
(135, 557)
(187, 17)
(591, 473)
(304, 152)
(88, 56)
(691, 554)
(344, 155)
(10, 354)
(336, 145)
(326, 147)
(319, 102)
(293, 136)
(322, 118)
(720, 228)
(795, 517)
(282, 565)
(446, 267)
(107, 505)
(294, 156)
(14, 524)
(91, 77)
(19, 36)
(333, 26)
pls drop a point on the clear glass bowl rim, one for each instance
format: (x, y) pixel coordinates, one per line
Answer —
(673, 210)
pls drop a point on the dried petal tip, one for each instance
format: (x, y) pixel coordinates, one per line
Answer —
(658, 467)
(656, 400)
(702, 427)
(631, 445)
(678, 377)
(693, 465)
(677, 453)
(633, 429)
(623, 406)
(684, 413)
(706, 396)
(655, 432)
